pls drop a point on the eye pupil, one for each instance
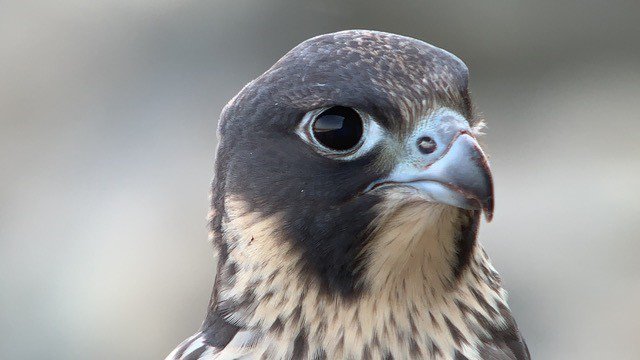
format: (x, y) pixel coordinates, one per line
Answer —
(338, 128)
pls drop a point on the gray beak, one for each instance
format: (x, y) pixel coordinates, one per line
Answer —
(457, 175)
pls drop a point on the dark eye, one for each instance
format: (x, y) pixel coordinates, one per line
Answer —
(338, 128)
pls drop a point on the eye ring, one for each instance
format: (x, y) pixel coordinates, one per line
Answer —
(336, 130)
(372, 135)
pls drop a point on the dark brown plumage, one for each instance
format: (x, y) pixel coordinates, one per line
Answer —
(346, 203)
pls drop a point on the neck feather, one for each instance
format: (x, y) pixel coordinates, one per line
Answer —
(412, 289)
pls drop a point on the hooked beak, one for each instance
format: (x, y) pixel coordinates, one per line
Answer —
(460, 177)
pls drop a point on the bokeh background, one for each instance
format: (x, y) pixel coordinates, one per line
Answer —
(108, 113)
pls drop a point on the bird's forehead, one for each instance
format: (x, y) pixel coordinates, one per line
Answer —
(371, 70)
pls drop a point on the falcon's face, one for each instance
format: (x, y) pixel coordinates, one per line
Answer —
(347, 142)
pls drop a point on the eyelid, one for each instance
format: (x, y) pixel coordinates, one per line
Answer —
(372, 134)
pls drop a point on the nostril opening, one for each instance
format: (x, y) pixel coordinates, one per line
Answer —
(427, 145)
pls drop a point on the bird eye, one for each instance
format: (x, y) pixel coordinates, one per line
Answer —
(338, 128)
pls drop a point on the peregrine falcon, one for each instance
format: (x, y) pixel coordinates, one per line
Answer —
(348, 191)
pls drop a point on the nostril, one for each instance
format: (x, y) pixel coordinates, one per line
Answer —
(427, 145)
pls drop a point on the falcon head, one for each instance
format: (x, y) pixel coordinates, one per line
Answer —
(354, 160)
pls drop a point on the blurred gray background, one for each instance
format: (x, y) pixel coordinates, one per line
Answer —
(108, 113)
